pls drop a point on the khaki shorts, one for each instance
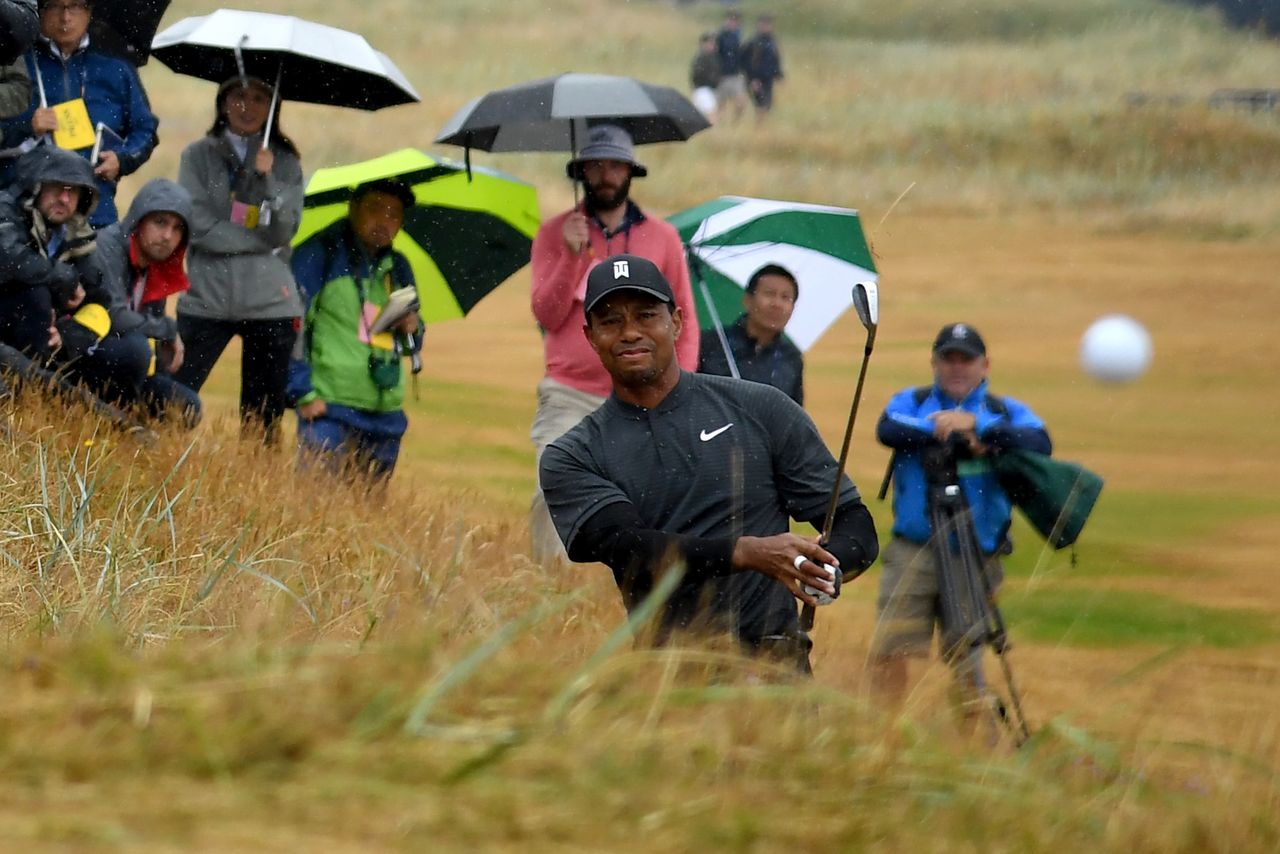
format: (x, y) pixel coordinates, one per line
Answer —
(732, 87)
(907, 609)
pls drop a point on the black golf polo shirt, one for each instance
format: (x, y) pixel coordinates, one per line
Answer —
(718, 457)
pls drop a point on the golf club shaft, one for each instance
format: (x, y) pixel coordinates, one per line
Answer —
(844, 449)
(809, 612)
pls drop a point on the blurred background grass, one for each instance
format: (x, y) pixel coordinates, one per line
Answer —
(205, 649)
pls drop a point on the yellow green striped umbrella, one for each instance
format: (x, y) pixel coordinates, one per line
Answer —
(464, 236)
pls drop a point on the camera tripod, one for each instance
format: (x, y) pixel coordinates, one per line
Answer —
(969, 615)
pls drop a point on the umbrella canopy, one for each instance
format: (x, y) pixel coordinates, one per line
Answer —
(315, 63)
(463, 237)
(126, 27)
(552, 114)
(728, 239)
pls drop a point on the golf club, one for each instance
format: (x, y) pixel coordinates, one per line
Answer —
(866, 302)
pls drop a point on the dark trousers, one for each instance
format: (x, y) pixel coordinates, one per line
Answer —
(163, 395)
(15, 368)
(264, 364)
(25, 317)
(336, 443)
(113, 368)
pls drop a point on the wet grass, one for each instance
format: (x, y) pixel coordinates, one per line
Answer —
(1098, 617)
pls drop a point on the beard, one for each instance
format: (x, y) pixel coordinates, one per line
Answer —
(607, 198)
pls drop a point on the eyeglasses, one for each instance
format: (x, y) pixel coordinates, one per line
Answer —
(59, 8)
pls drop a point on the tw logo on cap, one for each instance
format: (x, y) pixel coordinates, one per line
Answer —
(622, 269)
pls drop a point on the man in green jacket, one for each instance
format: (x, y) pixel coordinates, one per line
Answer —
(348, 382)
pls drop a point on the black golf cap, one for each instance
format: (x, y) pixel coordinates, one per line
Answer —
(626, 273)
(959, 338)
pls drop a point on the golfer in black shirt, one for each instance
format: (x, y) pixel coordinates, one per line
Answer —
(702, 470)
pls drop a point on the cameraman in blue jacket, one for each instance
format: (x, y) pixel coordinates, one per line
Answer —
(959, 412)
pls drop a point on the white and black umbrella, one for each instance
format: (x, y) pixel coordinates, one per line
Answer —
(310, 62)
(553, 113)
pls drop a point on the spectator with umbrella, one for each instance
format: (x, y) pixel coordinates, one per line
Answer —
(245, 177)
(19, 23)
(245, 180)
(75, 77)
(349, 385)
(756, 348)
(567, 246)
(608, 115)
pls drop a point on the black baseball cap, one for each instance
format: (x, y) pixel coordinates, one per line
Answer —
(959, 338)
(626, 273)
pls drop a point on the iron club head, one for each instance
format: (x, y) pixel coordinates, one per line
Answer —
(866, 301)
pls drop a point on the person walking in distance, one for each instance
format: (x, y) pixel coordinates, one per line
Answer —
(731, 92)
(762, 64)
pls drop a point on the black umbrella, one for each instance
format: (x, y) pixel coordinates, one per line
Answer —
(126, 27)
(552, 114)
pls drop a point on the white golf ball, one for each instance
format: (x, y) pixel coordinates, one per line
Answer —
(1115, 349)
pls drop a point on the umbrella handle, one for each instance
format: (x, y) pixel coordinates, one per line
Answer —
(573, 155)
(244, 77)
(696, 264)
(275, 102)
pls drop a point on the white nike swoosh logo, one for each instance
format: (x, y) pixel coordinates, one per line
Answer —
(707, 437)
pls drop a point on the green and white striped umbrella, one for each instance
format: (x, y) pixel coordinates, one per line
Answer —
(465, 234)
(728, 239)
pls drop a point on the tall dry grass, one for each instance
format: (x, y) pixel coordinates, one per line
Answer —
(206, 648)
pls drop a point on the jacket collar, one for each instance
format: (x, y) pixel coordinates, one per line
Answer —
(56, 52)
(632, 216)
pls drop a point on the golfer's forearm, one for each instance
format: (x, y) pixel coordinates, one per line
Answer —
(853, 539)
(616, 538)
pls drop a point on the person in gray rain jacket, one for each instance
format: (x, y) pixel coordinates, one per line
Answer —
(247, 206)
(143, 257)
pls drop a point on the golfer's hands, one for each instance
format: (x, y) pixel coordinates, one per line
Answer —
(108, 166)
(312, 410)
(44, 120)
(263, 160)
(776, 557)
(576, 235)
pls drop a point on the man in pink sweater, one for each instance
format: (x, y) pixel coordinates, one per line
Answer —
(566, 248)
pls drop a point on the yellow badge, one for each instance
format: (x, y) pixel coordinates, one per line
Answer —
(75, 130)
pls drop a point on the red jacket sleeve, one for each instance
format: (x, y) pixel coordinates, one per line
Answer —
(556, 273)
